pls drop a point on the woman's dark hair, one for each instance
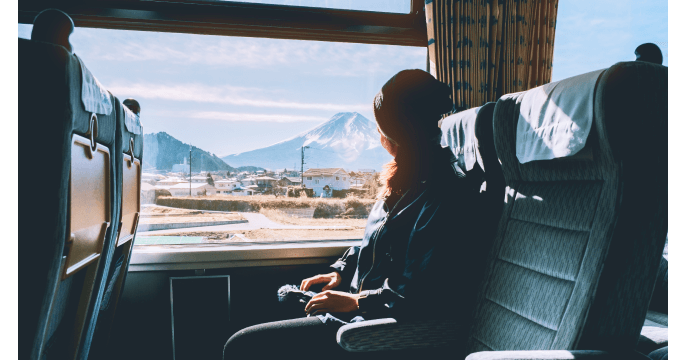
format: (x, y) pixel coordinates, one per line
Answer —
(407, 111)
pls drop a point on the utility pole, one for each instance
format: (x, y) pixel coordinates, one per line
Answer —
(303, 149)
(189, 170)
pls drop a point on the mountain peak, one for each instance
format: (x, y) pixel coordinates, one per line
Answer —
(347, 139)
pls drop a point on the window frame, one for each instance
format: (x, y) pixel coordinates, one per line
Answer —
(229, 18)
(243, 255)
(244, 20)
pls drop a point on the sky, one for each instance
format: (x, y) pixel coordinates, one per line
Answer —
(230, 94)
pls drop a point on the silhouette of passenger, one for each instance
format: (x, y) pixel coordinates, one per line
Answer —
(53, 26)
(649, 52)
(133, 105)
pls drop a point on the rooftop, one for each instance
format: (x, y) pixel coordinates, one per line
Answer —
(324, 171)
(186, 185)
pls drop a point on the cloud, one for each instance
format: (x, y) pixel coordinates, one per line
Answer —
(335, 59)
(222, 95)
(216, 115)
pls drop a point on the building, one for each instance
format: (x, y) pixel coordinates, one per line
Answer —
(196, 189)
(289, 181)
(150, 177)
(265, 182)
(226, 187)
(333, 178)
(242, 191)
(248, 181)
(170, 181)
(199, 179)
(182, 168)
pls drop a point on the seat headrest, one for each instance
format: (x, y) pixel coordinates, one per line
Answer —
(460, 133)
(133, 105)
(484, 135)
(555, 118)
(132, 121)
(53, 26)
(95, 97)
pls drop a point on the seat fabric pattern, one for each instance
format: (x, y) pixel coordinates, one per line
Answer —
(573, 264)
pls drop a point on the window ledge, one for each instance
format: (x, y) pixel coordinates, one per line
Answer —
(213, 256)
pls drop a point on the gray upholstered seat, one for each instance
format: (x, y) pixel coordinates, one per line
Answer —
(61, 288)
(572, 267)
(579, 242)
(130, 135)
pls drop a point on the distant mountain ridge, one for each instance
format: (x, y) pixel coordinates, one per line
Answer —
(161, 151)
(348, 140)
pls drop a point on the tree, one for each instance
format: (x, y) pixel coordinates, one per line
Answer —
(372, 184)
(210, 180)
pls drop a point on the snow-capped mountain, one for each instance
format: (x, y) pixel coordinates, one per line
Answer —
(348, 140)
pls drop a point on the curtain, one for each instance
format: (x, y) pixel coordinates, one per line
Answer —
(484, 49)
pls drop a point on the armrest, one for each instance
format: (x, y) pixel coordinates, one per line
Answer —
(556, 355)
(387, 334)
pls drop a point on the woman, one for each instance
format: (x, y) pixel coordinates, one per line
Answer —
(409, 265)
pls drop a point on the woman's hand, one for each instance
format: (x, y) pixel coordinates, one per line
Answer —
(332, 302)
(332, 279)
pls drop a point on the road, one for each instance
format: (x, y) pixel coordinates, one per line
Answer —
(255, 221)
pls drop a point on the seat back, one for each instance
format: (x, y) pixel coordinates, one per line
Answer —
(130, 135)
(73, 203)
(470, 137)
(578, 244)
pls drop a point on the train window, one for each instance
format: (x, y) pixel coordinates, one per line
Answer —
(244, 114)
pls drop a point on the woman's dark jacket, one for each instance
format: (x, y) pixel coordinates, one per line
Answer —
(418, 256)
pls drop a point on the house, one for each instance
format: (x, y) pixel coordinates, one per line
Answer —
(170, 181)
(290, 181)
(226, 187)
(196, 189)
(146, 177)
(333, 178)
(199, 179)
(242, 191)
(265, 182)
(248, 181)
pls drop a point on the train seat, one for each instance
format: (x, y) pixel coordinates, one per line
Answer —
(67, 129)
(469, 135)
(573, 264)
(130, 136)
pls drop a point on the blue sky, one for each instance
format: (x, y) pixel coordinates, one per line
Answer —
(593, 35)
(230, 94)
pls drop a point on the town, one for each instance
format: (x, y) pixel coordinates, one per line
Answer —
(313, 182)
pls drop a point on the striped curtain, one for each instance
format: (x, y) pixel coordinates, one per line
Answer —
(487, 48)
